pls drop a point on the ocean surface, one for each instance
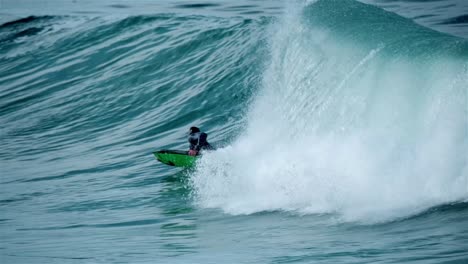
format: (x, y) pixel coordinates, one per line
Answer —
(341, 130)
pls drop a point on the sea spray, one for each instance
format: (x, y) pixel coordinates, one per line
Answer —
(345, 126)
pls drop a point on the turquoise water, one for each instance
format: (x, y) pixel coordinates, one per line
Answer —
(342, 132)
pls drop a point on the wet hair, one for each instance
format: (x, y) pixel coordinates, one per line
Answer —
(194, 130)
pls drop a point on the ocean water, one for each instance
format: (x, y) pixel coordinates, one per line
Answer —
(341, 127)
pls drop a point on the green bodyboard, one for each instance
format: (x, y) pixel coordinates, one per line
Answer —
(177, 158)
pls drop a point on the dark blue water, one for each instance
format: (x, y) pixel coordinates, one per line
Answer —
(341, 126)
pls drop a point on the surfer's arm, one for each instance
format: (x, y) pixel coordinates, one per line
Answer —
(194, 145)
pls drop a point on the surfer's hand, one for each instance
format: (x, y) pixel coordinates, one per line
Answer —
(192, 152)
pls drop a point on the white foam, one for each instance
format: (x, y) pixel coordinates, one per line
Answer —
(339, 129)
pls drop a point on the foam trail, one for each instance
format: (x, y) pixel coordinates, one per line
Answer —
(346, 129)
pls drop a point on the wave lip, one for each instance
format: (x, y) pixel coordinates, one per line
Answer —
(445, 16)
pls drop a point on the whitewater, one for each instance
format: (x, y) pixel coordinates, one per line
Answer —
(341, 130)
(353, 126)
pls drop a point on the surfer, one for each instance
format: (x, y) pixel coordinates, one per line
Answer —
(198, 141)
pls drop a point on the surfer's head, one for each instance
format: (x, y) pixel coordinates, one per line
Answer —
(194, 130)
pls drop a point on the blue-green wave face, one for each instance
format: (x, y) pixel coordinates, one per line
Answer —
(360, 112)
(135, 80)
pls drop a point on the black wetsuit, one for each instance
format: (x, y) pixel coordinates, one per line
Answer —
(198, 141)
